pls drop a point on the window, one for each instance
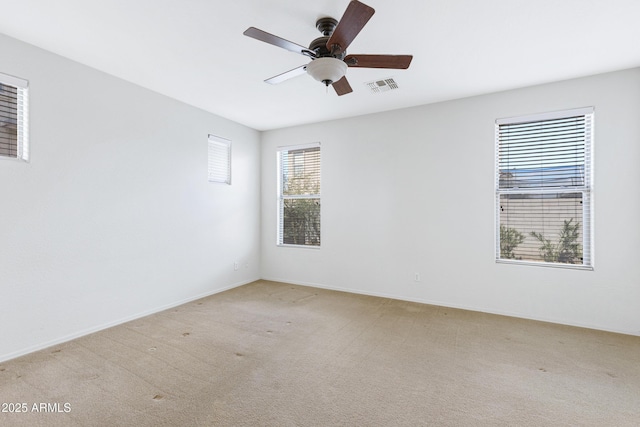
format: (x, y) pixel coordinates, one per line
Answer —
(543, 189)
(14, 132)
(299, 195)
(219, 160)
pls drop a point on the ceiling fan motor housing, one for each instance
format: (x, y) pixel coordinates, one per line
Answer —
(319, 46)
(326, 26)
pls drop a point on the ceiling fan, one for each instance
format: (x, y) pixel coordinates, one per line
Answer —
(329, 59)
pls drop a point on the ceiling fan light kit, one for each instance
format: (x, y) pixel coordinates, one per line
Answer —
(327, 70)
(329, 59)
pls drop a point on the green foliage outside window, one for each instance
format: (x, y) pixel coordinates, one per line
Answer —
(567, 249)
(510, 238)
(301, 216)
(301, 222)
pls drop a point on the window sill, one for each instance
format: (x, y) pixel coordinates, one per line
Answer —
(282, 245)
(546, 264)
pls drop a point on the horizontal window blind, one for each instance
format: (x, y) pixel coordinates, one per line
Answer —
(219, 164)
(13, 117)
(299, 196)
(543, 185)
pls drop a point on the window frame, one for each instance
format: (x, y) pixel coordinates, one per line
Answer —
(586, 189)
(282, 197)
(219, 146)
(22, 116)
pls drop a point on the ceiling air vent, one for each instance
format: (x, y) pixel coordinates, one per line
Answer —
(383, 85)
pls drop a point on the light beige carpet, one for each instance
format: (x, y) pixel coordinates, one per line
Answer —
(272, 354)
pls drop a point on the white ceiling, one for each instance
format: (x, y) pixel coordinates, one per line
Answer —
(194, 50)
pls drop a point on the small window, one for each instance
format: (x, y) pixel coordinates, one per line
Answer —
(299, 195)
(544, 189)
(219, 160)
(14, 114)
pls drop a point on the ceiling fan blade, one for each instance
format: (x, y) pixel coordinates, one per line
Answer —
(354, 19)
(379, 61)
(278, 41)
(287, 75)
(342, 86)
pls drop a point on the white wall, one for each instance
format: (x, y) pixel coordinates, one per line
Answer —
(113, 217)
(412, 191)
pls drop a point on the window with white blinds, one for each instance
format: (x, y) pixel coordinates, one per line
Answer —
(544, 189)
(299, 195)
(14, 114)
(219, 160)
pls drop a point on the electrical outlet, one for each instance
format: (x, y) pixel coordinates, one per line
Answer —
(416, 277)
(236, 266)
